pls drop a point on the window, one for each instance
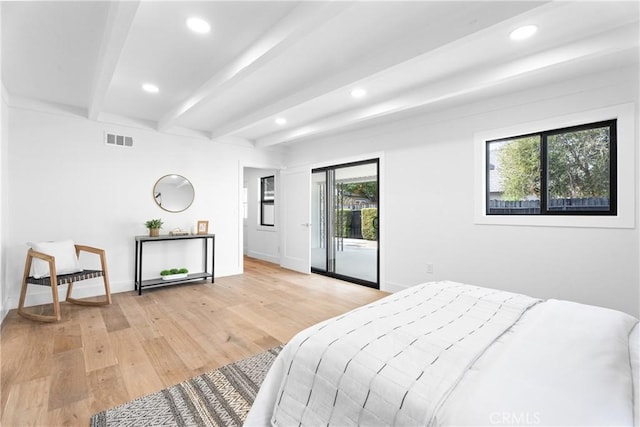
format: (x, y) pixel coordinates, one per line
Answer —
(568, 171)
(267, 201)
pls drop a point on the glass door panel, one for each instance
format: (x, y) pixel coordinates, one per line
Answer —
(355, 232)
(344, 241)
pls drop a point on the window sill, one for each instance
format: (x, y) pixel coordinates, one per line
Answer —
(557, 221)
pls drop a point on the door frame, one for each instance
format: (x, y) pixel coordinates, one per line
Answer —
(241, 167)
(326, 272)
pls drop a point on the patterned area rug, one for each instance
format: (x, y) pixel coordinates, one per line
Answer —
(221, 397)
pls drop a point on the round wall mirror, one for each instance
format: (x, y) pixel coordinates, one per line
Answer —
(173, 193)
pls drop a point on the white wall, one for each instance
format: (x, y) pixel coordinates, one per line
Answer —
(428, 187)
(59, 180)
(4, 144)
(66, 183)
(262, 242)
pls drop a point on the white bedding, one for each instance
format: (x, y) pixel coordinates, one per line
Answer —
(562, 364)
(558, 363)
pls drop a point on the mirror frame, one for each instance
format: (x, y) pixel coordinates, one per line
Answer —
(155, 193)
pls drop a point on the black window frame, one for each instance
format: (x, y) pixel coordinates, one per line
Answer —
(543, 136)
(265, 201)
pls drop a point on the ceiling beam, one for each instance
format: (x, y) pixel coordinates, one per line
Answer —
(620, 40)
(349, 76)
(119, 21)
(396, 54)
(302, 20)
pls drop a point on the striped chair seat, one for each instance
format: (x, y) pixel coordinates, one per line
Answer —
(65, 279)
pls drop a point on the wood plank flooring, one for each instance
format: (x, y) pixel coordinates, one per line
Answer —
(100, 357)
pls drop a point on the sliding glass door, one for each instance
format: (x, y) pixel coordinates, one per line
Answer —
(344, 232)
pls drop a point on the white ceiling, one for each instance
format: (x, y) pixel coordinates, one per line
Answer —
(298, 60)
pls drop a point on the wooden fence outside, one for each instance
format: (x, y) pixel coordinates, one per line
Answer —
(524, 207)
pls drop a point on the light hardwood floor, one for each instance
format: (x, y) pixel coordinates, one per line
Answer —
(100, 357)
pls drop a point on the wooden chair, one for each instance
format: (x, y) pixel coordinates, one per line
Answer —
(63, 279)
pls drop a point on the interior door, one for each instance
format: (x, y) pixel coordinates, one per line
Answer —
(295, 214)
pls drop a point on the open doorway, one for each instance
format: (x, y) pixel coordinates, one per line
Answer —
(344, 218)
(260, 226)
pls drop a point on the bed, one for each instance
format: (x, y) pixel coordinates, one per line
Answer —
(447, 353)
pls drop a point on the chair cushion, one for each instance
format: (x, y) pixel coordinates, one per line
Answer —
(64, 252)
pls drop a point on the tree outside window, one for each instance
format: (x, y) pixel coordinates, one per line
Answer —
(563, 171)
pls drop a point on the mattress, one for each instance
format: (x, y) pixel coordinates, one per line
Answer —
(501, 359)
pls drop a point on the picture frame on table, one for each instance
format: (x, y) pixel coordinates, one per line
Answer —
(203, 227)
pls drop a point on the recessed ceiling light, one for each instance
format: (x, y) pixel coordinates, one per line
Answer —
(151, 88)
(281, 121)
(523, 32)
(358, 93)
(198, 25)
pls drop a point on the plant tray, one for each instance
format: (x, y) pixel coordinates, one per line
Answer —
(175, 276)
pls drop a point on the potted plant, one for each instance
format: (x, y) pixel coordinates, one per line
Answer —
(154, 226)
(174, 273)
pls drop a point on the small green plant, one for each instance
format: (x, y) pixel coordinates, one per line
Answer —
(154, 223)
(174, 271)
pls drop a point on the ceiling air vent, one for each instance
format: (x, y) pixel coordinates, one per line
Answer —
(118, 140)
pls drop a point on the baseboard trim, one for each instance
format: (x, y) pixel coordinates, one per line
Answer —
(274, 259)
(4, 311)
(42, 295)
(38, 295)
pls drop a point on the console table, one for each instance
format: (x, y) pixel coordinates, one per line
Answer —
(191, 277)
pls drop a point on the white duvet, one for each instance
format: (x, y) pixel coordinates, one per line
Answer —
(532, 363)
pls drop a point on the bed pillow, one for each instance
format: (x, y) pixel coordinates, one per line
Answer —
(65, 254)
